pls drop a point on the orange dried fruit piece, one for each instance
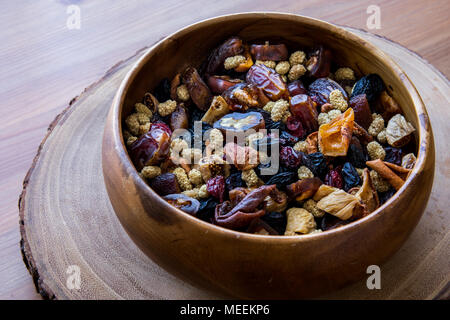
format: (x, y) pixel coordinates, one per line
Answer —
(335, 136)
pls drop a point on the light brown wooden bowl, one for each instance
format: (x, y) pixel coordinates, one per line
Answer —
(257, 266)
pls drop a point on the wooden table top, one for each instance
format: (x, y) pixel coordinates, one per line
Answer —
(44, 64)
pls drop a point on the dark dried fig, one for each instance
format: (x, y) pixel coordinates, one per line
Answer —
(218, 84)
(363, 115)
(165, 184)
(198, 90)
(179, 118)
(320, 90)
(272, 52)
(303, 108)
(268, 81)
(151, 148)
(319, 63)
(229, 48)
(183, 202)
(239, 122)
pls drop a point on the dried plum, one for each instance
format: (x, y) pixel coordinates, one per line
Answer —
(207, 208)
(283, 179)
(371, 85)
(350, 176)
(276, 220)
(393, 155)
(162, 90)
(234, 180)
(317, 163)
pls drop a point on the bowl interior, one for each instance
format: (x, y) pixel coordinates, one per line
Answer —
(191, 46)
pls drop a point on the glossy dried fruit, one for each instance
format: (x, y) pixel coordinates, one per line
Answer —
(335, 136)
(239, 122)
(218, 84)
(183, 202)
(287, 139)
(165, 184)
(393, 155)
(206, 209)
(248, 62)
(296, 87)
(321, 88)
(242, 96)
(312, 142)
(295, 126)
(231, 47)
(151, 148)
(271, 52)
(198, 90)
(303, 189)
(363, 115)
(268, 81)
(179, 118)
(316, 162)
(302, 107)
(350, 176)
(282, 179)
(371, 85)
(334, 178)
(216, 187)
(319, 63)
(276, 220)
(398, 131)
(289, 158)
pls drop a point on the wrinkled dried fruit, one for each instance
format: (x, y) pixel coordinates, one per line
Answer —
(319, 63)
(242, 96)
(334, 178)
(368, 194)
(316, 162)
(276, 220)
(320, 90)
(183, 202)
(296, 87)
(304, 109)
(350, 176)
(238, 122)
(151, 148)
(231, 47)
(371, 85)
(289, 158)
(176, 82)
(341, 204)
(179, 118)
(234, 181)
(360, 106)
(303, 189)
(151, 102)
(398, 131)
(206, 209)
(219, 108)
(355, 154)
(295, 126)
(165, 184)
(198, 90)
(287, 139)
(408, 161)
(216, 187)
(335, 136)
(212, 166)
(218, 84)
(312, 142)
(393, 155)
(282, 179)
(271, 52)
(268, 81)
(389, 106)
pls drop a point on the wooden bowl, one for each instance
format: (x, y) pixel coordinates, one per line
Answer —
(257, 266)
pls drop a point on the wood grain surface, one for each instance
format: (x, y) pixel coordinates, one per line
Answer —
(44, 65)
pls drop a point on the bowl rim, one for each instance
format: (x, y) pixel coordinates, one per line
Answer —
(423, 128)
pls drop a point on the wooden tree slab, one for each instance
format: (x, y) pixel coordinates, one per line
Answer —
(66, 218)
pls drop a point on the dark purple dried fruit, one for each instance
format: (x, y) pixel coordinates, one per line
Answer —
(334, 178)
(385, 196)
(371, 85)
(350, 176)
(393, 155)
(316, 162)
(165, 184)
(206, 209)
(360, 106)
(198, 90)
(151, 148)
(216, 187)
(183, 202)
(355, 154)
(320, 90)
(234, 180)
(276, 220)
(282, 179)
(289, 158)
